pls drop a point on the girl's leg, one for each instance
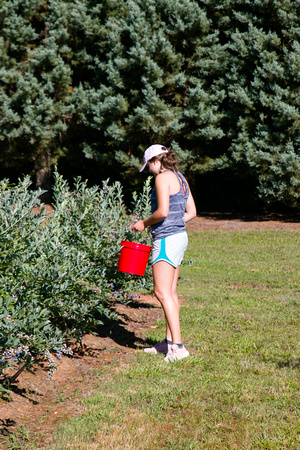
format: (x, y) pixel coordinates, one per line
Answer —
(175, 298)
(165, 276)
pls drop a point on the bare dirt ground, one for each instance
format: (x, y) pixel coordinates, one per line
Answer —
(245, 221)
(39, 405)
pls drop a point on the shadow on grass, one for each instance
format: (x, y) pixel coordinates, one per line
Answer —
(291, 363)
(150, 342)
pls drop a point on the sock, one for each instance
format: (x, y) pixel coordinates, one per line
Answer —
(168, 342)
(180, 345)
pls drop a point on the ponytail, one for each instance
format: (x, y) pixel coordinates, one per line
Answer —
(168, 160)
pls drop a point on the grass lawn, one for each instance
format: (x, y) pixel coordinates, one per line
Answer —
(239, 389)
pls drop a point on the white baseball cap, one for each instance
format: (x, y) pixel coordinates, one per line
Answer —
(152, 151)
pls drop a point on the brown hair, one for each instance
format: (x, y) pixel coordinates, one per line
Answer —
(167, 160)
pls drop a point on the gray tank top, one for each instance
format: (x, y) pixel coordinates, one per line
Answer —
(174, 222)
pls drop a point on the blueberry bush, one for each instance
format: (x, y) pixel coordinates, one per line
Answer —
(58, 270)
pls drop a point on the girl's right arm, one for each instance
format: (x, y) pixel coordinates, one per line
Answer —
(162, 189)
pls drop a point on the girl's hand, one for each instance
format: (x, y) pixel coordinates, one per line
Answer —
(138, 226)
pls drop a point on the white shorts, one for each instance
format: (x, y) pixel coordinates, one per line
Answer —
(170, 249)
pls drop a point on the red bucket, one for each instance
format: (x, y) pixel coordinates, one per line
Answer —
(133, 258)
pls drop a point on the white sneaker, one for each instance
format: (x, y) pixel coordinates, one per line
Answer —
(175, 353)
(160, 347)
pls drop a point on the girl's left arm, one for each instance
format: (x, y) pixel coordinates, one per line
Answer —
(190, 208)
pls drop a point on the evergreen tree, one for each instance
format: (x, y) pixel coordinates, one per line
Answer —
(35, 83)
(216, 79)
(153, 81)
(262, 83)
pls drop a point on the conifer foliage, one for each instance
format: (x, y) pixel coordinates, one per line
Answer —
(263, 91)
(36, 79)
(216, 79)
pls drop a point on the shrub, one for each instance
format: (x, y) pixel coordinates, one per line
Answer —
(58, 271)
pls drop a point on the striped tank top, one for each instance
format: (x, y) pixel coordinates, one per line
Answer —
(174, 222)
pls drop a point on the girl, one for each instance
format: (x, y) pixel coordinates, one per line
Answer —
(172, 205)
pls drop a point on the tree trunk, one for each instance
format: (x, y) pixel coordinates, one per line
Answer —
(42, 166)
